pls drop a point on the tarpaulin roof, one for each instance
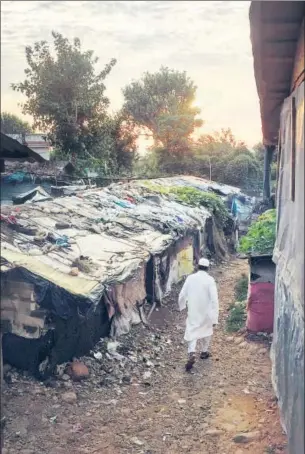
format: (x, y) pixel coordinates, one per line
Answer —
(117, 228)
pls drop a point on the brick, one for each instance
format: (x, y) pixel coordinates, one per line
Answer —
(7, 303)
(39, 313)
(23, 319)
(22, 290)
(8, 314)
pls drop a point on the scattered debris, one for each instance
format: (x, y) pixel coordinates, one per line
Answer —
(98, 355)
(121, 400)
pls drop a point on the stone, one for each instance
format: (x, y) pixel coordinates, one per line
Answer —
(181, 401)
(244, 344)
(137, 442)
(213, 432)
(246, 437)
(126, 379)
(65, 377)
(69, 397)
(74, 271)
(149, 363)
(22, 432)
(238, 340)
(77, 371)
(146, 375)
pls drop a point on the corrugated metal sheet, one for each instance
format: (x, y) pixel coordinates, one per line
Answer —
(275, 33)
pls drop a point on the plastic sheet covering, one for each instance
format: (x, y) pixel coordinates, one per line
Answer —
(37, 194)
(119, 228)
(288, 342)
(121, 324)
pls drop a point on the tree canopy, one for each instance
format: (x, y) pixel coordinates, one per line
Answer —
(219, 156)
(64, 94)
(162, 102)
(12, 124)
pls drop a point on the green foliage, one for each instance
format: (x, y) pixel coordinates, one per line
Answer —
(229, 160)
(113, 146)
(241, 288)
(66, 98)
(219, 157)
(64, 95)
(237, 311)
(237, 317)
(163, 103)
(259, 152)
(240, 168)
(11, 124)
(261, 235)
(210, 201)
(195, 197)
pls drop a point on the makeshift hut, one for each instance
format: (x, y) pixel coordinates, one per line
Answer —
(83, 265)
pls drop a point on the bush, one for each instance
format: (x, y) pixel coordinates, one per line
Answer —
(261, 235)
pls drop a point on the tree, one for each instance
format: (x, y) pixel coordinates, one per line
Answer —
(113, 146)
(243, 171)
(65, 96)
(11, 124)
(228, 159)
(163, 103)
(259, 151)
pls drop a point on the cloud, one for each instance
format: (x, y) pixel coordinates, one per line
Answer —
(210, 40)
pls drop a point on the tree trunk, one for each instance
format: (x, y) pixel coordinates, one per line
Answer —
(267, 171)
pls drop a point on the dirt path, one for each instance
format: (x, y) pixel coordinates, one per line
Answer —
(158, 408)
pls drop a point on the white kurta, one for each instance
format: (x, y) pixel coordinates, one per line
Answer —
(199, 295)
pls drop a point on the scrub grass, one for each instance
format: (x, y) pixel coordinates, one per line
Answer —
(237, 311)
(241, 288)
(237, 317)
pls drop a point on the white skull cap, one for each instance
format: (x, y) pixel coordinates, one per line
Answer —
(204, 262)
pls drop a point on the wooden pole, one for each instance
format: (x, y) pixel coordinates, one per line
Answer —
(269, 149)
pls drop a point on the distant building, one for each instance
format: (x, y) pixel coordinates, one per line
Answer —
(36, 142)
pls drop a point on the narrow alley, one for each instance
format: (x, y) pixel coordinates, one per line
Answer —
(226, 406)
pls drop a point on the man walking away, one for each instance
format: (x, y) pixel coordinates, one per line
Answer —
(199, 295)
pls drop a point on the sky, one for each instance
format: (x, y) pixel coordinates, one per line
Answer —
(210, 40)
